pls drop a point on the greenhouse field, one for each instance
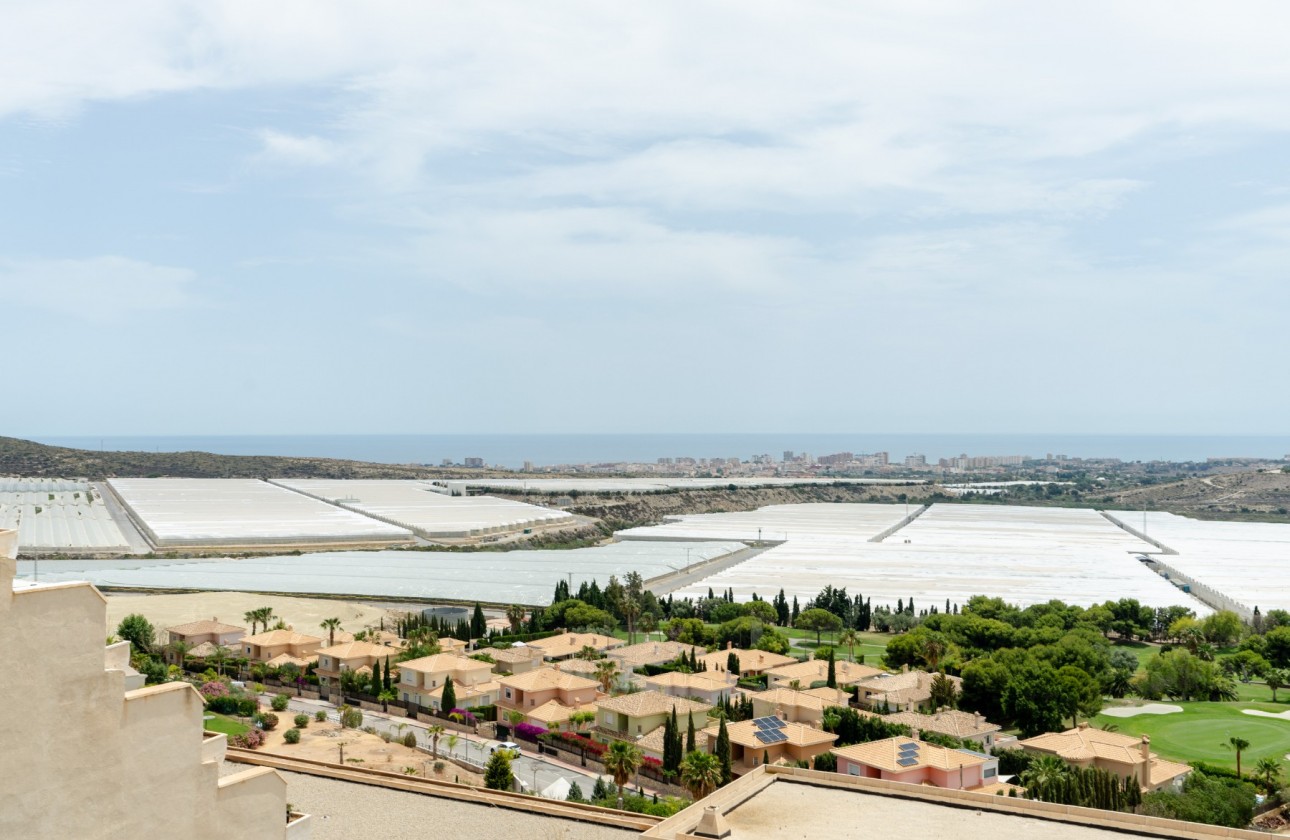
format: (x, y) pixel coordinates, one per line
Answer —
(430, 513)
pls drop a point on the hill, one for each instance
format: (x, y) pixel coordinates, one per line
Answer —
(28, 458)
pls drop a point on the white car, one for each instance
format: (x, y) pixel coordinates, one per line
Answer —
(509, 746)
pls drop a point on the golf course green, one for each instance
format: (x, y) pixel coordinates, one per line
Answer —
(1201, 732)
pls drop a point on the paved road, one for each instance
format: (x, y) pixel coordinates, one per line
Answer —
(137, 542)
(472, 749)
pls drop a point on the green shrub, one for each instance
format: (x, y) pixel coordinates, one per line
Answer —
(301, 721)
(410, 740)
(267, 721)
(351, 718)
(320, 716)
(826, 761)
(291, 736)
(280, 702)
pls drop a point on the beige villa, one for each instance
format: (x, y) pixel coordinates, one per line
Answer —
(1124, 755)
(90, 757)
(350, 656)
(751, 662)
(817, 670)
(264, 647)
(770, 740)
(963, 725)
(567, 645)
(525, 692)
(211, 631)
(650, 653)
(421, 681)
(711, 687)
(629, 716)
(519, 659)
(907, 691)
(916, 762)
(798, 706)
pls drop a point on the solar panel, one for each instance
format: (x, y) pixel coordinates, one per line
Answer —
(909, 746)
(907, 762)
(765, 737)
(777, 723)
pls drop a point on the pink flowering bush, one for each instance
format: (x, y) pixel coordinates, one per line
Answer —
(214, 689)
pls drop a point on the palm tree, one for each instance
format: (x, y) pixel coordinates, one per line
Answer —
(515, 615)
(435, 732)
(219, 656)
(621, 760)
(1269, 770)
(453, 738)
(1240, 745)
(606, 673)
(385, 697)
(588, 653)
(1043, 772)
(251, 617)
(331, 625)
(179, 650)
(700, 773)
(850, 638)
(265, 615)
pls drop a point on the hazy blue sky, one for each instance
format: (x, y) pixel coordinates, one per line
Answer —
(695, 216)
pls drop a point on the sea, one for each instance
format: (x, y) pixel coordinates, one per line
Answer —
(513, 451)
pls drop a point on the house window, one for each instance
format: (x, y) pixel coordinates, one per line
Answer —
(991, 772)
(853, 769)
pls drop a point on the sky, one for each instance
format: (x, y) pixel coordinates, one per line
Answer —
(562, 217)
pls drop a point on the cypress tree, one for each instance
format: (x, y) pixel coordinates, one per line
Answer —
(689, 735)
(448, 701)
(478, 624)
(723, 753)
(792, 619)
(832, 679)
(732, 663)
(388, 683)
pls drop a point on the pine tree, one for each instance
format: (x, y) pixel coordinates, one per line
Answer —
(601, 790)
(575, 793)
(689, 736)
(448, 701)
(723, 752)
(498, 776)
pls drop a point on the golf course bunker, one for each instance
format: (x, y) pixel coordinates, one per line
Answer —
(1148, 709)
(1258, 713)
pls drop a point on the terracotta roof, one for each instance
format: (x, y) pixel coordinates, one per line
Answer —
(544, 678)
(814, 699)
(463, 692)
(286, 658)
(749, 660)
(702, 681)
(651, 653)
(203, 650)
(569, 643)
(644, 703)
(194, 628)
(554, 713)
(514, 654)
(352, 650)
(1085, 742)
(586, 667)
(905, 687)
(745, 732)
(947, 722)
(439, 663)
(279, 637)
(886, 755)
(652, 741)
(818, 669)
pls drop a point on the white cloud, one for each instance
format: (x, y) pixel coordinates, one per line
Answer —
(279, 147)
(101, 289)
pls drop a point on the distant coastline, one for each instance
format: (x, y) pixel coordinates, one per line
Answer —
(511, 451)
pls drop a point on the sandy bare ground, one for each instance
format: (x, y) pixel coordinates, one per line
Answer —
(322, 742)
(1146, 709)
(303, 614)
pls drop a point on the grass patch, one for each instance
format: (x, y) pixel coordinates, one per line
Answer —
(1201, 730)
(229, 726)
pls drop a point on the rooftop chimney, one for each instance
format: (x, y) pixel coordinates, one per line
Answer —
(1083, 724)
(712, 824)
(980, 721)
(904, 669)
(1146, 748)
(729, 645)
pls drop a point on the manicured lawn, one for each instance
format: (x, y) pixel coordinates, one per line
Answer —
(1142, 650)
(1200, 733)
(1262, 694)
(229, 726)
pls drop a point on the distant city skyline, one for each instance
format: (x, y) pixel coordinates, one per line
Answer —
(996, 217)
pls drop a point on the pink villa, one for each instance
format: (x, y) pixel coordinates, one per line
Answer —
(917, 762)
